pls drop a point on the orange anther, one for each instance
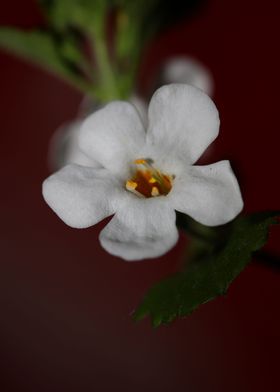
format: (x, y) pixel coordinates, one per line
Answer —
(130, 185)
(140, 161)
(155, 191)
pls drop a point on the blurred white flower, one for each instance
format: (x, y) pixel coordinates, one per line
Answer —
(190, 71)
(64, 146)
(146, 175)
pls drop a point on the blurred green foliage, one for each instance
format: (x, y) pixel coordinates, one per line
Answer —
(109, 69)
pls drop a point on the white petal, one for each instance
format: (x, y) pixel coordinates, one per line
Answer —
(209, 194)
(113, 136)
(141, 107)
(183, 121)
(81, 196)
(190, 71)
(64, 148)
(141, 229)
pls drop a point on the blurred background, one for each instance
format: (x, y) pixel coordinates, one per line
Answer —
(65, 314)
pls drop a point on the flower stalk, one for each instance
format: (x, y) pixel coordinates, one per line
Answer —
(108, 89)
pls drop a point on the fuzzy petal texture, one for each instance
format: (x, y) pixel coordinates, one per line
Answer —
(81, 196)
(141, 229)
(113, 136)
(183, 121)
(209, 194)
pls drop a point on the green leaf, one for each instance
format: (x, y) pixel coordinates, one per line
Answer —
(41, 48)
(201, 282)
(75, 13)
(35, 45)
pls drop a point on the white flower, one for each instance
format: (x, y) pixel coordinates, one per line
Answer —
(64, 145)
(146, 175)
(186, 69)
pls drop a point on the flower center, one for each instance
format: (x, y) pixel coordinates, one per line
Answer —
(149, 181)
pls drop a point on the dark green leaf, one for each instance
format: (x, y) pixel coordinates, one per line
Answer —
(76, 13)
(41, 48)
(201, 282)
(35, 46)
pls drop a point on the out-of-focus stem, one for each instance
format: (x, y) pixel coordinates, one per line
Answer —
(98, 41)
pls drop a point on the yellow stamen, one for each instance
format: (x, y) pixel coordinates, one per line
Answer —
(130, 185)
(155, 191)
(140, 161)
(148, 181)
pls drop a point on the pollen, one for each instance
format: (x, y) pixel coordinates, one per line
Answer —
(131, 185)
(148, 181)
(140, 161)
(155, 191)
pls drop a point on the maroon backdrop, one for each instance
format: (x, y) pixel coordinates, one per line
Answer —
(65, 304)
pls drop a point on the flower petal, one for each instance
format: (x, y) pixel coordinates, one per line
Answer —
(141, 107)
(209, 194)
(183, 121)
(81, 196)
(64, 148)
(141, 229)
(113, 135)
(186, 69)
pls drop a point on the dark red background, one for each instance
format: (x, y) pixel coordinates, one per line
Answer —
(65, 304)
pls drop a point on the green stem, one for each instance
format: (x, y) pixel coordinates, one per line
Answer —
(205, 241)
(108, 83)
(128, 47)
